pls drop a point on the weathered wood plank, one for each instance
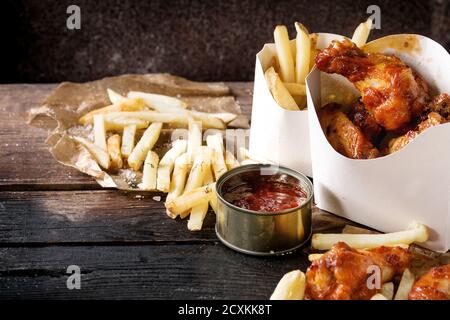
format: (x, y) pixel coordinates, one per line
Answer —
(25, 163)
(209, 271)
(103, 216)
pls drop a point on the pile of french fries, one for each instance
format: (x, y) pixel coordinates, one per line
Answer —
(294, 60)
(292, 285)
(186, 172)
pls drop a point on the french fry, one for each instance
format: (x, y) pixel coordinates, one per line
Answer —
(198, 213)
(314, 256)
(296, 89)
(190, 199)
(150, 172)
(405, 285)
(159, 102)
(209, 120)
(126, 105)
(231, 160)
(378, 296)
(361, 33)
(129, 132)
(115, 97)
(121, 123)
(279, 92)
(166, 164)
(115, 155)
(180, 171)
(146, 143)
(215, 142)
(284, 53)
(194, 138)
(198, 172)
(226, 117)
(100, 155)
(197, 216)
(303, 43)
(290, 287)
(99, 131)
(417, 233)
(175, 118)
(387, 290)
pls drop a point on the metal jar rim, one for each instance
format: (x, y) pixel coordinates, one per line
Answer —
(253, 167)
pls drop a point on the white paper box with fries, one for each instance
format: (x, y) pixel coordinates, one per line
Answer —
(280, 131)
(388, 192)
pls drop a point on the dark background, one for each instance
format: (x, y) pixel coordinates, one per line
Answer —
(199, 39)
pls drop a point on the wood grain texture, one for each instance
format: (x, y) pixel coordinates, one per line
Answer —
(104, 216)
(25, 163)
(207, 271)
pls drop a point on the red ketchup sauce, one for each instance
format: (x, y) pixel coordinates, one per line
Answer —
(266, 193)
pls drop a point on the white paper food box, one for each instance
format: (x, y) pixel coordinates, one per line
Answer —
(390, 192)
(277, 134)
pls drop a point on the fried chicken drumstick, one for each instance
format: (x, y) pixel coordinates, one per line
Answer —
(434, 285)
(391, 91)
(342, 272)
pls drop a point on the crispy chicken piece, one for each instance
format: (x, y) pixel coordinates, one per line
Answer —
(398, 143)
(343, 135)
(441, 105)
(342, 272)
(390, 90)
(366, 122)
(434, 285)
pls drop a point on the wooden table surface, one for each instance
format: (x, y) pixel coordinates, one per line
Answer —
(52, 216)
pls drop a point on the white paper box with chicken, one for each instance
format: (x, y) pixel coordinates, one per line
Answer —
(384, 159)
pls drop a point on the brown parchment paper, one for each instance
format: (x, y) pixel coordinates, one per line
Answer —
(70, 101)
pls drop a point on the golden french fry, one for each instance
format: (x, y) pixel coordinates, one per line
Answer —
(115, 97)
(226, 117)
(314, 256)
(284, 53)
(417, 233)
(159, 102)
(231, 161)
(150, 172)
(215, 142)
(190, 199)
(291, 287)
(194, 138)
(166, 164)
(129, 132)
(121, 123)
(180, 171)
(279, 91)
(197, 216)
(100, 155)
(405, 285)
(303, 43)
(146, 143)
(208, 120)
(296, 89)
(361, 33)
(114, 151)
(99, 131)
(126, 105)
(387, 290)
(198, 172)
(378, 296)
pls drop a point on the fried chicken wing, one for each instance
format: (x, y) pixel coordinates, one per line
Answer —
(366, 122)
(342, 272)
(390, 90)
(343, 135)
(441, 105)
(434, 285)
(398, 143)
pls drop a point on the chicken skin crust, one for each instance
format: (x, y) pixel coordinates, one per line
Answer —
(434, 285)
(390, 90)
(342, 273)
(344, 136)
